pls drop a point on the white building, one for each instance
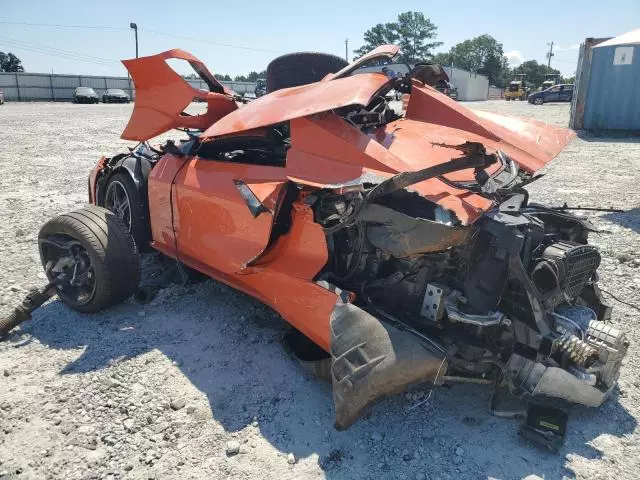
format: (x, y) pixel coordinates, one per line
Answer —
(471, 86)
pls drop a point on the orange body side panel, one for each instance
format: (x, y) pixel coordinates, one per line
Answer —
(160, 209)
(216, 226)
(217, 235)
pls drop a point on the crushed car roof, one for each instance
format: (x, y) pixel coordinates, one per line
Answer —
(297, 102)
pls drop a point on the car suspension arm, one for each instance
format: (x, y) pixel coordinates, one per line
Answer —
(34, 299)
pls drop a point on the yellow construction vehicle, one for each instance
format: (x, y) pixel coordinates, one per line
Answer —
(517, 89)
(551, 79)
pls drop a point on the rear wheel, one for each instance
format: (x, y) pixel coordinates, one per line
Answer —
(123, 198)
(295, 69)
(99, 257)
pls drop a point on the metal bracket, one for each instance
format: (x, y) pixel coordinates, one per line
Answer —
(433, 302)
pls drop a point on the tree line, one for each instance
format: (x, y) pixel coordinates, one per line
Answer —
(250, 77)
(416, 35)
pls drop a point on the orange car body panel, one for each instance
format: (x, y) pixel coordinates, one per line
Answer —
(216, 234)
(199, 216)
(162, 95)
(381, 52)
(531, 143)
(297, 102)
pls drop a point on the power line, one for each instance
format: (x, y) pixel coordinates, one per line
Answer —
(26, 44)
(56, 52)
(155, 32)
(220, 44)
(56, 25)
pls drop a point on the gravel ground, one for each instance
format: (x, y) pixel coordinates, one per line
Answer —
(197, 384)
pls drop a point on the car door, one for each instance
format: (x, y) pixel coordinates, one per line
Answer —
(225, 212)
(566, 93)
(552, 94)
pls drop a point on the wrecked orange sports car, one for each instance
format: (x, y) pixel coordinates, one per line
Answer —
(402, 244)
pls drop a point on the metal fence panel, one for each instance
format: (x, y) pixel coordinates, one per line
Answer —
(35, 93)
(60, 87)
(64, 81)
(28, 81)
(93, 82)
(7, 80)
(10, 93)
(122, 83)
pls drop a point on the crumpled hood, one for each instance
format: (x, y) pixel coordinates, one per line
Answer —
(531, 143)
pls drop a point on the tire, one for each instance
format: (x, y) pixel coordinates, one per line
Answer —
(507, 98)
(295, 69)
(138, 223)
(110, 249)
(538, 101)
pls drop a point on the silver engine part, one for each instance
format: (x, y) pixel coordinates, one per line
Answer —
(588, 387)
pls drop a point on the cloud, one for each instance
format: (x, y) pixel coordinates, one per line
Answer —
(514, 57)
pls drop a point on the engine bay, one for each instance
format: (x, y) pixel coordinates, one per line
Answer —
(513, 297)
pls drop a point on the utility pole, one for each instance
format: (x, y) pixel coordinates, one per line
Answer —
(346, 50)
(549, 55)
(135, 29)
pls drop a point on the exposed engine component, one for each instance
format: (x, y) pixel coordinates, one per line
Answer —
(455, 314)
(563, 270)
(513, 296)
(570, 348)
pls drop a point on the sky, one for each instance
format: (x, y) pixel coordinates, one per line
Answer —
(237, 37)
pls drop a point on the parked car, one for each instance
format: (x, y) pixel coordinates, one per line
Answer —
(1, 97)
(85, 95)
(557, 93)
(402, 248)
(115, 95)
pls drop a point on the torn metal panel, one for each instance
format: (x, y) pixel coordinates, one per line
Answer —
(530, 143)
(402, 235)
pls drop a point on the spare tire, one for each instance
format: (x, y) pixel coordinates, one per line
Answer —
(295, 69)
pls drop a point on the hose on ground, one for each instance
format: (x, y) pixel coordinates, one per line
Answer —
(14, 319)
(34, 299)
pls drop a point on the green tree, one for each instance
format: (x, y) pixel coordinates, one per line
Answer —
(253, 76)
(10, 63)
(483, 54)
(535, 72)
(413, 32)
(442, 58)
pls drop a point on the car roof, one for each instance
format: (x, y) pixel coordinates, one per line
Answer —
(302, 101)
